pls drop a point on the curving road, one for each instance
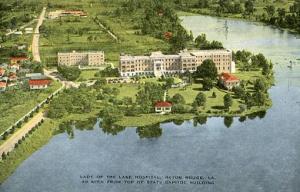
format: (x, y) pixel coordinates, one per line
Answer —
(36, 37)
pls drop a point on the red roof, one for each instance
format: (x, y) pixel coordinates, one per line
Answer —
(39, 82)
(163, 104)
(229, 77)
(2, 71)
(2, 84)
(21, 58)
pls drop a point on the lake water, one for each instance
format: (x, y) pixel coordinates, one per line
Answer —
(259, 154)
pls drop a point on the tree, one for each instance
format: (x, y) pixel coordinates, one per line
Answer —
(202, 43)
(270, 9)
(260, 98)
(260, 85)
(200, 40)
(239, 91)
(228, 101)
(207, 69)
(169, 82)
(249, 7)
(178, 108)
(208, 84)
(70, 73)
(178, 99)
(90, 38)
(228, 121)
(111, 114)
(3, 156)
(127, 101)
(200, 99)
(214, 95)
(148, 95)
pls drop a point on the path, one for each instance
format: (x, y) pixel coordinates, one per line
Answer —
(22, 27)
(36, 37)
(9, 144)
(107, 30)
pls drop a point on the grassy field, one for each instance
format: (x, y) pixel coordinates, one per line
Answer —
(20, 103)
(87, 75)
(149, 119)
(58, 39)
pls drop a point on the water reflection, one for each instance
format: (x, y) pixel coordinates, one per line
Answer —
(110, 128)
(201, 120)
(69, 126)
(228, 121)
(151, 131)
(259, 114)
(65, 127)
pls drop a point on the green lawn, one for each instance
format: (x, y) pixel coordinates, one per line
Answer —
(26, 100)
(149, 119)
(87, 75)
(248, 75)
(126, 90)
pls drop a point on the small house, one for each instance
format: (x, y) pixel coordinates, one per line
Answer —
(229, 81)
(15, 67)
(163, 107)
(21, 47)
(2, 86)
(34, 75)
(18, 33)
(39, 83)
(2, 72)
(12, 76)
(17, 60)
(29, 30)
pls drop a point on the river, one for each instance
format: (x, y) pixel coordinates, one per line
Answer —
(259, 154)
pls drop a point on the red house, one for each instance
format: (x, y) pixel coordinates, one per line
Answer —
(229, 81)
(2, 72)
(17, 60)
(2, 86)
(39, 83)
(163, 107)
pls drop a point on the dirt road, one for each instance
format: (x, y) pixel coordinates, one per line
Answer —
(9, 144)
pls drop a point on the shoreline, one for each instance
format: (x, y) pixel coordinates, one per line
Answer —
(232, 17)
(45, 133)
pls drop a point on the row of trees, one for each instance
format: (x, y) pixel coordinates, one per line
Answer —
(282, 17)
(279, 16)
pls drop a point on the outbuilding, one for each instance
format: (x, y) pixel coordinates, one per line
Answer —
(229, 81)
(163, 107)
(39, 83)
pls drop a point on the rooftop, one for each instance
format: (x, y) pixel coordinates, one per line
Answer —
(19, 58)
(163, 104)
(229, 77)
(201, 52)
(39, 82)
(2, 84)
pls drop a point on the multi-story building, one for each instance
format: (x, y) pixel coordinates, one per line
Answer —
(158, 64)
(81, 58)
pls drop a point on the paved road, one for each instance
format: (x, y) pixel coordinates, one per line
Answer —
(9, 144)
(36, 37)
